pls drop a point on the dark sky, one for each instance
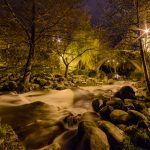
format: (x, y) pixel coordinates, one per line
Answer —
(96, 8)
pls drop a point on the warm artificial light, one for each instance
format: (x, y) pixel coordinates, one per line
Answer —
(146, 31)
(58, 40)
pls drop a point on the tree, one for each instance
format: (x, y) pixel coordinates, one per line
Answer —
(72, 50)
(141, 46)
(116, 20)
(76, 44)
(35, 19)
(125, 20)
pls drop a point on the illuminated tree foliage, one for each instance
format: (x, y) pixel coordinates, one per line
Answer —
(78, 45)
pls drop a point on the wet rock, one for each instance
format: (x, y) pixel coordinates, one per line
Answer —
(136, 116)
(125, 92)
(71, 120)
(90, 116)
(91, 137)
(119, 116)
(54, 146)
(97, 104)
(105, 112)
(122, 126)
(116, 103)
(87, 137)
(128, 105)
(115, 135)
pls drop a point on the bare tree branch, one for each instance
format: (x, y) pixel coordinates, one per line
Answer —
(20, 21)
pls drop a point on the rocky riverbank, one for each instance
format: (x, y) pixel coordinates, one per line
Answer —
(79, 119)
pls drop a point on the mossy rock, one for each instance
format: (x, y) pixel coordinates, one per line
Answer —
(105, 112)
(35, 86)
(119, 116)
(91, 137)
(41, 82)
(8, 139)
(97, 104)
(125, 92)
(71, 120)
(116, 103)
(136, 116)
(10, 86)
(90, 116)
(112, 131)
(60, 87)
(58, 76)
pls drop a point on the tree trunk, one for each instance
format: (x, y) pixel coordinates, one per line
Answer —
(145, 66)
(28, 67)
(141, 49)
(66, 70)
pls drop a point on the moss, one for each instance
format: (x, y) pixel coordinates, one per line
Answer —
(8, 139)
(131, 130)
(142, 138)
(138, 136)
(127, 144)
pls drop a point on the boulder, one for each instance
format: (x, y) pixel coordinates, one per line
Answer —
(71, 120)
(128, 105)
(136, 116)
(122, 126)
(91, 137)
(116, 103)
(54, 146)
(119, 116)
(97, 104)
(105, 112)
(125, 92)
(115, 135)
(87, 137)
(90, 116)
(10, 86)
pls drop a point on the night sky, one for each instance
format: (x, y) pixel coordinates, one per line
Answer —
(96, 8)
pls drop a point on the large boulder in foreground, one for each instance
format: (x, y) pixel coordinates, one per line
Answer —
(88, 137)
(115, 135)
(91, 137)
(125, 92)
